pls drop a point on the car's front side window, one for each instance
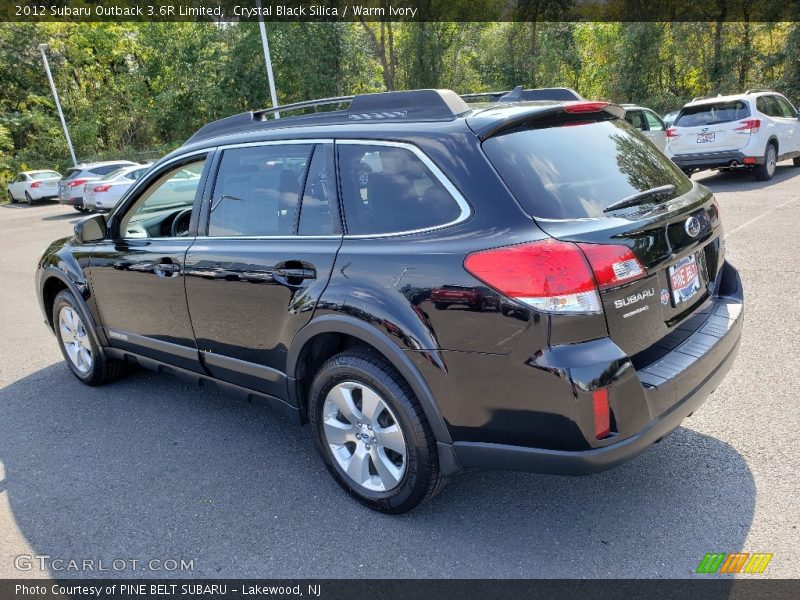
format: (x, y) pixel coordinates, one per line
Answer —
(168, 198)
(257, 190)
(389, 189)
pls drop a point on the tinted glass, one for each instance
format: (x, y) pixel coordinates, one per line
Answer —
(257, 190)
(45, 175)
(576, 171)
(72, 173)
(106, 169)
(635, 118)
(767, 105)
(386, 189)
(786, 109)
(653, 122)
(171, 193)
(711, 114)
(318, 215)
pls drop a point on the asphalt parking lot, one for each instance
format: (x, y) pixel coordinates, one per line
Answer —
(151, 468)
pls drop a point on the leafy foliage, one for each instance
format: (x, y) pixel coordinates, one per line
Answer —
(137, 90)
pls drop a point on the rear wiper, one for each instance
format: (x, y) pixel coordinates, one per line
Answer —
(641, 197)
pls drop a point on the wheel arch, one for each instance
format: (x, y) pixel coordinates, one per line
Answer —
(53, 282)
(329, 325)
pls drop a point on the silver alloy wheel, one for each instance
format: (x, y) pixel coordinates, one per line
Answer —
(364, 436)
(771, 160)
(75, 339)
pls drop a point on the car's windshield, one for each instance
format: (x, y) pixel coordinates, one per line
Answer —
(577, 171)
(45, 175)
(712, 114)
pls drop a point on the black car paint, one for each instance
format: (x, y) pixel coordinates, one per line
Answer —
(512, 378)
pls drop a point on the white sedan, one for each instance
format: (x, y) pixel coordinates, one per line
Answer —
(30, 186)
(103, 194)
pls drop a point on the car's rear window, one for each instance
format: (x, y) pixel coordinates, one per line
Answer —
(575, 171)
(72, 173)
(711, 114)
(45, 175)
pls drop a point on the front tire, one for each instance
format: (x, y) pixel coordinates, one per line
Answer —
(796, 161)
(372, 433)
(766, 170)
(11, 198)
(80, 352)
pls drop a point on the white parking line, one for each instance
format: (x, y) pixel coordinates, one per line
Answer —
(764, 214)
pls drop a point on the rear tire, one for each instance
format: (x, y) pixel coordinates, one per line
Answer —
(80, 352)
(796, 161)
(766, 170)
(28, 199)
(372, 433)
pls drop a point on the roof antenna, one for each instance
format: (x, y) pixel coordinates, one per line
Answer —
(514, 95)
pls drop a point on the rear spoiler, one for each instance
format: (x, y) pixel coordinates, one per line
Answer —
(517, 118)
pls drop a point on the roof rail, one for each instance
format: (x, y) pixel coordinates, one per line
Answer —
(420, 105)
(518, 94)
(756, 90)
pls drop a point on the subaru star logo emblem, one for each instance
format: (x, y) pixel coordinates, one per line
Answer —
(692, 226)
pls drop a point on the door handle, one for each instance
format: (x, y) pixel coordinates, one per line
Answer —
(167, 268)
(292, 275)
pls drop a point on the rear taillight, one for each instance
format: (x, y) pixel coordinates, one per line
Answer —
(550, 275)
(672, 134)
(555, 276)
(35, 184)
(748, 126)
(585, 107)
(602, 413)
(102, 188)
(76, 182)
(613, 265)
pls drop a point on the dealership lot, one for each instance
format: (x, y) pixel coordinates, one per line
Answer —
(149, 468)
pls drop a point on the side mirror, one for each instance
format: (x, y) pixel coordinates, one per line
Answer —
(91, 229)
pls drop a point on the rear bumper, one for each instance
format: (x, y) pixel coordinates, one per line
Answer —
(712, 160)
(674, 387)
(71, 201)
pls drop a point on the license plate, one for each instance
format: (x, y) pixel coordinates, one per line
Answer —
(703, 138)
(684, 279)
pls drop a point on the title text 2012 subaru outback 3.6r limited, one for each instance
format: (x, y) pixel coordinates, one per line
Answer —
(305, 264)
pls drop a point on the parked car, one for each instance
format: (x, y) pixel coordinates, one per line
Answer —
(669, 118)
(648, 122)
(282, 274)
(104, 193)
(32, 186)
(70, 188)
(751, 131)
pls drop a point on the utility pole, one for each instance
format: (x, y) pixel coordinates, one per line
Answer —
(42, 48)
(268, 60)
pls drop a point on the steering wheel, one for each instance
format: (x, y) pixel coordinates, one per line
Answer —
(180, 224)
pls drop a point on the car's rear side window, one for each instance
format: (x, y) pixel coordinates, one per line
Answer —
(575, 171)
(712, 114)
(389, 189)
(257, 190)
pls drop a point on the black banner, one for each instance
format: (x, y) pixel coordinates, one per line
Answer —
(400, 10)
(391, 589)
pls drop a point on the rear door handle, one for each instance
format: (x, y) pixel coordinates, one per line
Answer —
(166, 268)
(294, 275)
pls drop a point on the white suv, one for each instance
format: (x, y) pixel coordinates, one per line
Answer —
(753, 130)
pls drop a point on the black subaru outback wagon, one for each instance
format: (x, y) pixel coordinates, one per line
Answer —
(432, 285)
